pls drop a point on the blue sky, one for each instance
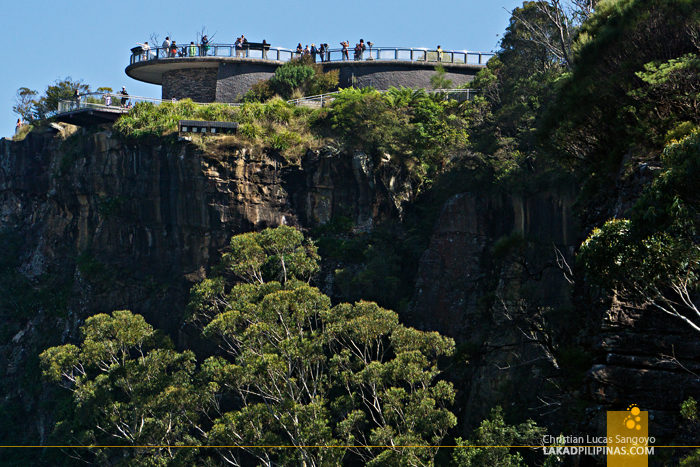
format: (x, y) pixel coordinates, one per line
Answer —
(90, 40)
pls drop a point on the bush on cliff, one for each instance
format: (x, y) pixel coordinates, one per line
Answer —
(598, 113)
(299, 75)
(274, 124)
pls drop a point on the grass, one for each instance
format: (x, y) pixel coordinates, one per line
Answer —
(275, 124)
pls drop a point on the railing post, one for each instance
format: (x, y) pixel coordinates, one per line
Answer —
(396, 54)
(278, 55)
(479, 58)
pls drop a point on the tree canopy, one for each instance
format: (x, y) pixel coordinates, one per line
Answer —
(315, 380)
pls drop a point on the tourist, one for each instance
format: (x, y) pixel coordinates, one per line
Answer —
(300, 50)
(363, 47)
(307, 52)
(314, 51)
(345, 46)
(358, 52)
(125, 96)
(76, 97)
(19, 125)
(166, 47)
(108, 99)
(328, 52)
(146, 50)
(205, 46)
(439, 54)
(173, 49)
(244, 45)
(238, 45)
(193, 49)
(322, 50)
(265, 46)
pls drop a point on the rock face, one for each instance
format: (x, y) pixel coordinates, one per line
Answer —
(161, 214)
(464, 291)
(133, 226)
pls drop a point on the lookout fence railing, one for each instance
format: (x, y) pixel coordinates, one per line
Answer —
(411, 54)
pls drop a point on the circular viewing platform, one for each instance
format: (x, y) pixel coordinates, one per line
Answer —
(223, 73)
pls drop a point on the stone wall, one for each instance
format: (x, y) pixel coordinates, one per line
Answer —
(211, 79)
(383, 75)
(198, 84)
(236, 78)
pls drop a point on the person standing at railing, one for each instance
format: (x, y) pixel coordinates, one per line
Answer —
(265, 46)
(146, 51)
(439, 54)
(108, 99)
(76, 98)
(363, 47)
(328, 52)
(322, 51)
(314, 51)
(300, 50)
(358, 52)
(166, 47)
(193, 49)
(125, 96)
(238, 45)
(205, 46)
(345, 45)
(173, 49)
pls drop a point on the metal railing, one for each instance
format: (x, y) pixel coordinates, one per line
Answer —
(320, 100)
(411, 54)
(119, 102)
(103, 100)
(116, 101)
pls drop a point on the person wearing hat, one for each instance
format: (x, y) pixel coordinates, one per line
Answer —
(125, 96)
(314, 51)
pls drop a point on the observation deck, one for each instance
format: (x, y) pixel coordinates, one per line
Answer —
(224, 74)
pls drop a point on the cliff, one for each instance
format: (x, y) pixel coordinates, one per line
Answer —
(101, 224)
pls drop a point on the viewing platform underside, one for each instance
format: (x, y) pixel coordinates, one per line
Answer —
(91, 116)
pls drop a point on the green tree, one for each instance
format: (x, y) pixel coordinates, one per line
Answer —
(653, 258)
(594, 118)
(297, 75)
(495, 432)
(439, 80)
(63, 89)
(307, 374)
(128, 395)
(24, 103)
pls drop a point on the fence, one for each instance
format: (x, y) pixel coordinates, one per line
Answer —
(320, 100)
(119, 102)
(333, 55)
(112, 102)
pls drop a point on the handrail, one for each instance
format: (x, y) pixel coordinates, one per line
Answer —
(119, 102)
(412, 54)
(328, 97)
(98, 100)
